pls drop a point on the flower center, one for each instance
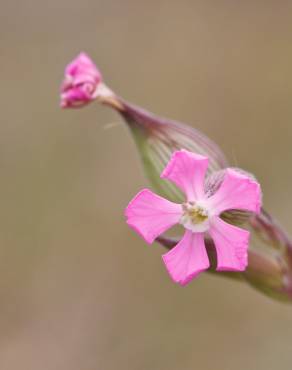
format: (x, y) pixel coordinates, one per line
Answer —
(195, 217)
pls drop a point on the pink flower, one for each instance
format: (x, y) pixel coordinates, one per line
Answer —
(151, 215)
(81, 81)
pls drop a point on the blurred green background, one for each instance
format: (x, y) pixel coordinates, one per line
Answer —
(78, 289)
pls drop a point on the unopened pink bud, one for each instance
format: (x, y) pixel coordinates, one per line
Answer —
(80, 84)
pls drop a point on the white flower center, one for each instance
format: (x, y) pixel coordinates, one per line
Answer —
(195, 217)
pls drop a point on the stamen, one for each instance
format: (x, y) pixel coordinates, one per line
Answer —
(195, 217)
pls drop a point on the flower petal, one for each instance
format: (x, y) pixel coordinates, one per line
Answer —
(187, 171)
(237, 191)
(231, 244)
(187, 259)
(151, 215)
(82, 65)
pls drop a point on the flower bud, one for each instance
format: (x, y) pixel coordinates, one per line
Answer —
(81, 82)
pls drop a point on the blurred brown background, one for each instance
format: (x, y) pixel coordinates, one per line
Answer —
(78, 289)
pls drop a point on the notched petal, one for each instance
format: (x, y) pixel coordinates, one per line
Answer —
(187, 170)
(231, 245)
(151, 215)
(235, 191)
(187, 259)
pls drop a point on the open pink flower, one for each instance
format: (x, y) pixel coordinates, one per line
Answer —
(81, 81)
(151, 215)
